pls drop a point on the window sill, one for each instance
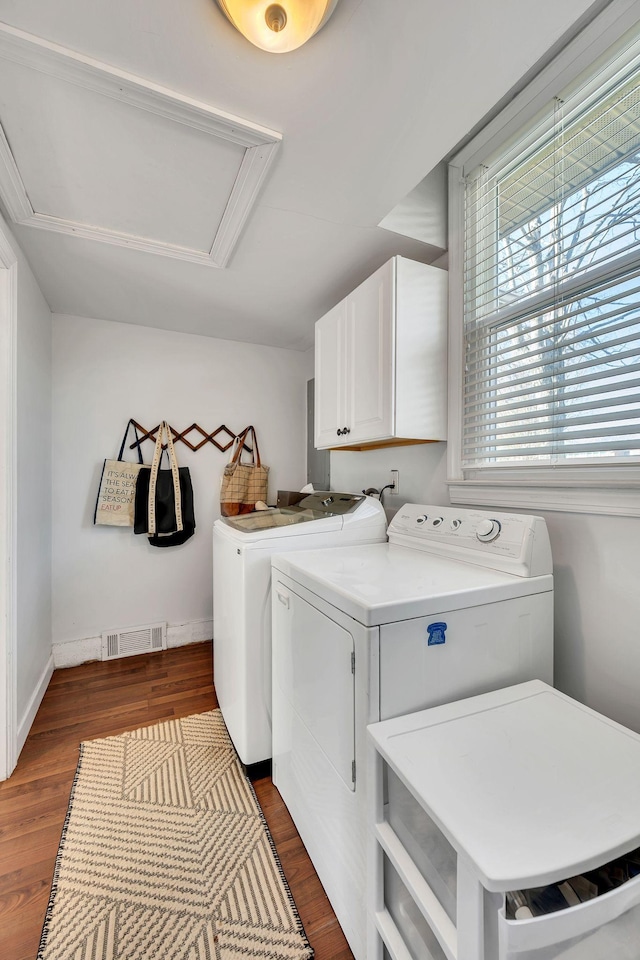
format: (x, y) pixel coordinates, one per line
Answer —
(606, 495)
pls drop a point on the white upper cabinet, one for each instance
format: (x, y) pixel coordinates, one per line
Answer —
(330, 374)
(381, 360)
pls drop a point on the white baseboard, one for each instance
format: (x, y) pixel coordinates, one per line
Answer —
(24, 725)
(74, 652)
(195, 631)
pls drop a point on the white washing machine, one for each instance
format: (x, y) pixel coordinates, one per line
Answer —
(242, 549)
(457, 603)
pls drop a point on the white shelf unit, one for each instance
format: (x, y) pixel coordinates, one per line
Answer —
(511, 790)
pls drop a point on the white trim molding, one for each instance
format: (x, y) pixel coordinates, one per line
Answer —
(260, 146)
(8, 500)
(26, 721)
(612, 500)
(71, 653)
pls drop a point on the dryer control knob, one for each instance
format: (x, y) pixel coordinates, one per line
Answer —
(438, 521)
(422, 519)
(455, 524)
(488, 530)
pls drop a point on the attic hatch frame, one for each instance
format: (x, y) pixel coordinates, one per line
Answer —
(260, 146)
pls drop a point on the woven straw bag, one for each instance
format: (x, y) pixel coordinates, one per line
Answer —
(243, 484)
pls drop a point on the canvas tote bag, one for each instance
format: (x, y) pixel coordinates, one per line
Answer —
(164, 498)
(243, 484)
(116, 493)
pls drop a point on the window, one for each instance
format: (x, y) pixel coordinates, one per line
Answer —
(549, 265)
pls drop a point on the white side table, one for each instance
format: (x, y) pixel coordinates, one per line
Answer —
(510, 790)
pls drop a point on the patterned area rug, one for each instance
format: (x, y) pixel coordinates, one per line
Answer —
(165, 855)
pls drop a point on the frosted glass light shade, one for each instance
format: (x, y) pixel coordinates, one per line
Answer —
(281, 26)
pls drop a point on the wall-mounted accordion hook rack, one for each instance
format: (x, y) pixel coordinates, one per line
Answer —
(206, 437)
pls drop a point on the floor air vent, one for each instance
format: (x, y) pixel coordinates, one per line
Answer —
(126, 643)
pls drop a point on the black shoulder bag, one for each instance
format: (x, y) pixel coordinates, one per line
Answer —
(164, 498)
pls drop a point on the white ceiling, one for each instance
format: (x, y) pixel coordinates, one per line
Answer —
(364, 110)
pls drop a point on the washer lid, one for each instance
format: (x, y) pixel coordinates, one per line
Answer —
(320, 512)
(384, 582)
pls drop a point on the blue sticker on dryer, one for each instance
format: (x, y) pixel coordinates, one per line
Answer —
(436, 633)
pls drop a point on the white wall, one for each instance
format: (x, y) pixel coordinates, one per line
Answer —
(104, 373)
(597, 620)
(33, 520)
(423, 472)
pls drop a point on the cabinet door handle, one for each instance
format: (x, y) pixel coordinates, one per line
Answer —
(347, 430)
(339, 433)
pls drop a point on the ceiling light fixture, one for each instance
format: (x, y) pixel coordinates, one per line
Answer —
(278, 27)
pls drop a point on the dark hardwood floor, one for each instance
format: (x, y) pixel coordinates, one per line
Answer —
(100, 700)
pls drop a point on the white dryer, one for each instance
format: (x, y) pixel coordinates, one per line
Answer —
(457, 603)
(242, 549)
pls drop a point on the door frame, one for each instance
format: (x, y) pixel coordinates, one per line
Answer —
(8, 504)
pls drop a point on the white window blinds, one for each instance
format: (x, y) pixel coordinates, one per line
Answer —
(552, 288)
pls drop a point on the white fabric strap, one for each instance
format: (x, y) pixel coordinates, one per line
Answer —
(153, 479)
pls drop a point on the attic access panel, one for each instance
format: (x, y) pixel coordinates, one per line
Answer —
(89, 150)
(86, 158)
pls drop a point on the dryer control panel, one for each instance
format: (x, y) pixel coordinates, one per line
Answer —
(513, 543)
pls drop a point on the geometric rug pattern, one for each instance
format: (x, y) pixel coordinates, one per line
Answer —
(165, 855)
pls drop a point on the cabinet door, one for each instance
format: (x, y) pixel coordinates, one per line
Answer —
(370, 353)
(330, 367)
